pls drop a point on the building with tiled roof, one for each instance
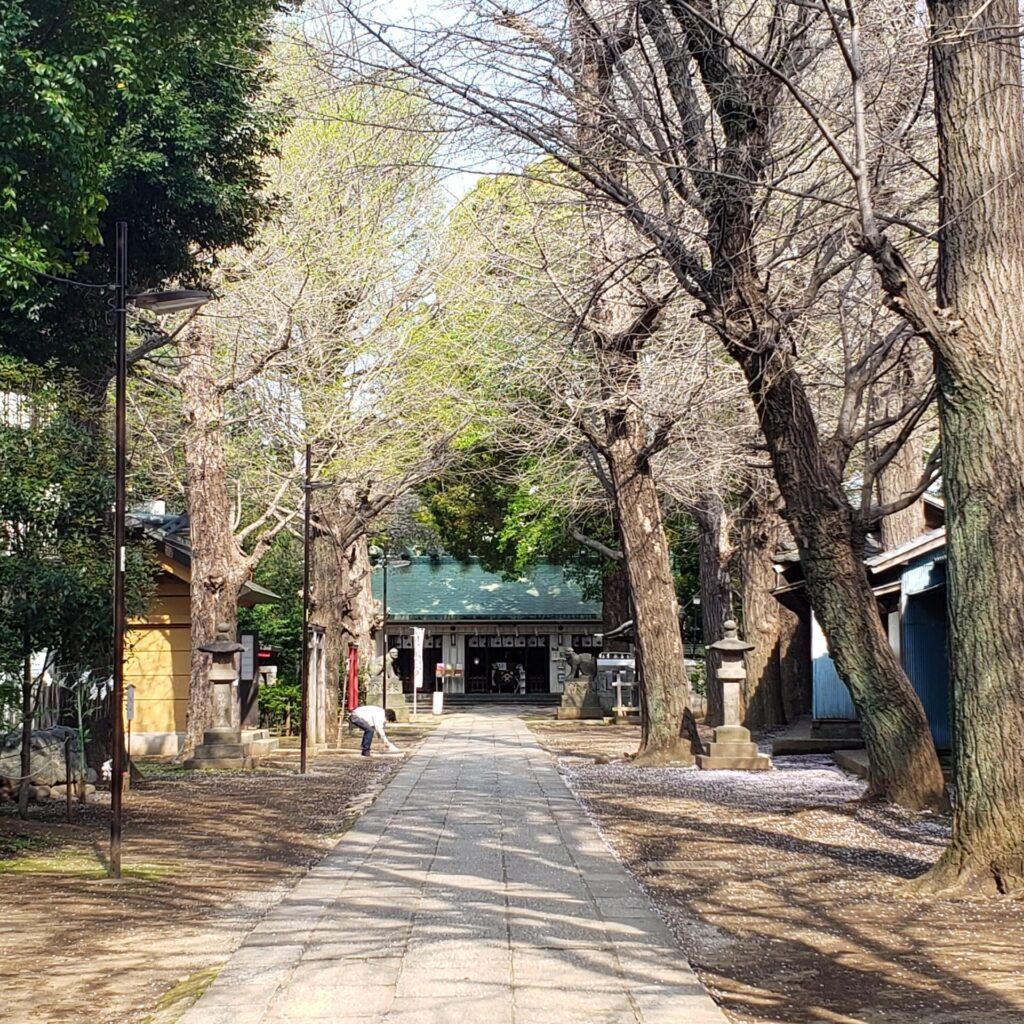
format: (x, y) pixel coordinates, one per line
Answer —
(499, 635)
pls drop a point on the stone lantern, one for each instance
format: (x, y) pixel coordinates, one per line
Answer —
(732, 746)
(222, 745)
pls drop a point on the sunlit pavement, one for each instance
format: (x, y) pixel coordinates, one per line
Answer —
(474, 891)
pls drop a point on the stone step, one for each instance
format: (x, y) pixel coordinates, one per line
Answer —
(733, 750)
(224, 750)
(254, 735)
(222, 736)
(261, 748)
(760, 763)
(220, 762)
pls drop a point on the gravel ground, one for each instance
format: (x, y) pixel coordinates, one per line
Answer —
(205, 856)
(787, 892)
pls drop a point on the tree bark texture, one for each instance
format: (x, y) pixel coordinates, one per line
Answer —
(619, 323)
(904, 767)
(341, 601)
(777, 686)
(899, 477)
(655, 610)
(977, 75)
(219, 566)
(714, 554)
(615, 602)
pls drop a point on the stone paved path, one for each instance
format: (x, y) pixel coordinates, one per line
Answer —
(474, 891)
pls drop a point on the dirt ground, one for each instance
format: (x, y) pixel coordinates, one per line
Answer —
(205, 856)
(787, 893)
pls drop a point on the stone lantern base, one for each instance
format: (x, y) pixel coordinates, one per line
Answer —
(733, 749)
(232, 749)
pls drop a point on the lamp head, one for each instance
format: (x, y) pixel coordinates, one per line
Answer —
(162, 303)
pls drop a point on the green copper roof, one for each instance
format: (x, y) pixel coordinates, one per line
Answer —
(429, 589)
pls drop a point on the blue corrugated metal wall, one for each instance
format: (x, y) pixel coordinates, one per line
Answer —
(830, 697)
(924, 657)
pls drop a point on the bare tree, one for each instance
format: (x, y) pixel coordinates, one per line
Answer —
(720, 181)
(974, 328)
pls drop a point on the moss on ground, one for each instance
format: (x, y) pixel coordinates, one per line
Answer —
(175, 1001)
(78, 863)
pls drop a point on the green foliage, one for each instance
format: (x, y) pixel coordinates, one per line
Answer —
(280, 624)
(499, 508)
(55, 550)
(136, 110)
(280, 704)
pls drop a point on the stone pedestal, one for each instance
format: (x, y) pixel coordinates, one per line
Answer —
(580, 700)
(396, 701)
(732, 747)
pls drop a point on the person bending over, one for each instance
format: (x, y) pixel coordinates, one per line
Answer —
(371, 718)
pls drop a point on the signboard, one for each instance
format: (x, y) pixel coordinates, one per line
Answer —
(129, 703)
(247, 667)
(418, 634)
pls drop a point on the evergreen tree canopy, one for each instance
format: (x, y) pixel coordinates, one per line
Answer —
(135, 110)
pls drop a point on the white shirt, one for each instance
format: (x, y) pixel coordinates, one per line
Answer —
(374, 716)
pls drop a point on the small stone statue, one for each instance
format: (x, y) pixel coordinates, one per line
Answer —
(383, 672)
(579, 700)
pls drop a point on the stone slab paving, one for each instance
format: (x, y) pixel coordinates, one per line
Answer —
(474, 891)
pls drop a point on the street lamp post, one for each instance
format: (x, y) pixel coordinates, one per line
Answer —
(161, 303)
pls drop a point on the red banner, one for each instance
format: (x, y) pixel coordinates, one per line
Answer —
(353, 676)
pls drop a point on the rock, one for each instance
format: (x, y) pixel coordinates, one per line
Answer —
(47, 755)
(60, 792)
(91, 775)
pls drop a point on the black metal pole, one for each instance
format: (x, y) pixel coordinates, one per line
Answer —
(120, 465)
(384, 636)
(307, 490)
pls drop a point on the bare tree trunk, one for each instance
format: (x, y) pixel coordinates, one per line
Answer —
(615, 602)
(714, 553)
(766, 623)
(341, 601)
(904, 767)
(655, 611)
(978, 102)
(619, 323)
(900, 476)
(219, 566)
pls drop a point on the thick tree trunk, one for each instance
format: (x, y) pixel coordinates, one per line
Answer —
(219, 566)
(904, 767)
(900, 477)
(655, 611)
(341, 600)
(714, 553)
(615, 602)
(766, 624)
(902, 474)
(981, 402)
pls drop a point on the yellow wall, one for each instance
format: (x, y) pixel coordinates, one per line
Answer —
(158, 659)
